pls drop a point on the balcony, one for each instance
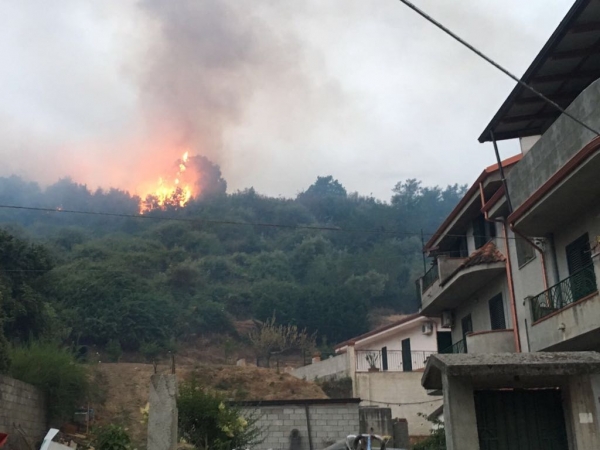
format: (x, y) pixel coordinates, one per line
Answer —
(565, 317)
(457, 347)
(491, 341)
(451, 280)
(570, 191)
(390, 361)
(570, 290)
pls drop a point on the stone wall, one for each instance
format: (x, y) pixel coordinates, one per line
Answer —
(22, 409)
(329, 420)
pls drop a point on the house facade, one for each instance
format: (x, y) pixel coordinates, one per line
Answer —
(386, 366)
(539, 388)
(468, 284)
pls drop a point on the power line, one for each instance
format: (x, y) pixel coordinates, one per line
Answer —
(236, 223)
(498, 66)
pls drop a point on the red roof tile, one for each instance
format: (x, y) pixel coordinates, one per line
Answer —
(488, 254)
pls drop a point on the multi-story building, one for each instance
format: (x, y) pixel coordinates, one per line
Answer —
(467, 284)
(534, 275)
(520, 252)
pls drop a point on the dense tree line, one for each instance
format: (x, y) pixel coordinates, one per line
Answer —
(94, 279)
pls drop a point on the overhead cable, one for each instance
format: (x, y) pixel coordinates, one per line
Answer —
(498, 66)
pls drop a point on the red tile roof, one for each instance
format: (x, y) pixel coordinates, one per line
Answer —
(487, 254)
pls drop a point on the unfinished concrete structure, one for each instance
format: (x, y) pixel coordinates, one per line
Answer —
(533, 401)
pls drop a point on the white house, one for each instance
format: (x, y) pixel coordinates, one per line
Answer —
(386, 366)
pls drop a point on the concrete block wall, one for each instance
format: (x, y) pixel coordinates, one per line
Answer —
(329, 420)
(22, 405)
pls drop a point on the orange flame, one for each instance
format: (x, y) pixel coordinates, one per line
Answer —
(175, 194)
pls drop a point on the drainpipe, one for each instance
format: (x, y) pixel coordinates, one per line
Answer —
(511, 288)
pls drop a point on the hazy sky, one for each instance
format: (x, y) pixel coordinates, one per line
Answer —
(275, 91)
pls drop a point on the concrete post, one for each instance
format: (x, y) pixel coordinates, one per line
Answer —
(582, 409)
(352, 367)
(459, 414)
(162, 416)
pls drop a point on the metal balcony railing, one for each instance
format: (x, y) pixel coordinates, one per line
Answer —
(430, 277)
(457, 347)
(579, 285)
(390, 361)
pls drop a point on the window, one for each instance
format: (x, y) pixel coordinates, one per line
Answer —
(581, 273)
(525, 251)
(497, 318)
(483, 231)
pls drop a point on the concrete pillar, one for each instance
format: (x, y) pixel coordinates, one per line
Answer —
(583, 413)
(351, 360)
(459, 414)
(162, 415)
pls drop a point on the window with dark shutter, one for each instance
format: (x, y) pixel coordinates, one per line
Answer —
(497, 318)
(579, 262)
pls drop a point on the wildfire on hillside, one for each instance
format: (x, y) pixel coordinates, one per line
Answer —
(174, 192)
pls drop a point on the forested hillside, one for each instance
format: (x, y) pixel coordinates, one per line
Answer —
(175, 273)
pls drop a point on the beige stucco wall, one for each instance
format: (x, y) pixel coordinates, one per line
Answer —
(388, 389)
(477, 306)
(529, 281)
(497, 341)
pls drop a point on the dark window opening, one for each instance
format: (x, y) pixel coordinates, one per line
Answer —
(525, 251)
(467, 327)
(497, 317)
(384, 358)
(483, 231)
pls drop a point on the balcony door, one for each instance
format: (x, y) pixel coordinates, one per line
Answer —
(406, 356)
(581, 270)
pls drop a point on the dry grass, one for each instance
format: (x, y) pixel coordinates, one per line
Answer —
(126, 389)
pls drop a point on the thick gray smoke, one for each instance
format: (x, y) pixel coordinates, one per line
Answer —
(276, 92)
(207, 60)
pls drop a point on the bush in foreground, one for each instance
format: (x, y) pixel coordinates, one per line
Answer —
(55, 372)
(207, 421)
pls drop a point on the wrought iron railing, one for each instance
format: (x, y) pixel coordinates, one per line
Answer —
(579, 285)
(457, 347)
(430, 277)
(390, 361)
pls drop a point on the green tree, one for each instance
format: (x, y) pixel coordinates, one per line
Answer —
(207, 421)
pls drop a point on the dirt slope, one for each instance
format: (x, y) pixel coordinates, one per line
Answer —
(126, 389)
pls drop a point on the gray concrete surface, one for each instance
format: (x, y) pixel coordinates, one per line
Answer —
(162, 416)
(558, 144)
(23, 405)
(337, 366)
(329, 421)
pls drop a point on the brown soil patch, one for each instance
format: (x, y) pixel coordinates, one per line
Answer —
(125, 387)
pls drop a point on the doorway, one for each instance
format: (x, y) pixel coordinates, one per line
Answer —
(520, 420)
